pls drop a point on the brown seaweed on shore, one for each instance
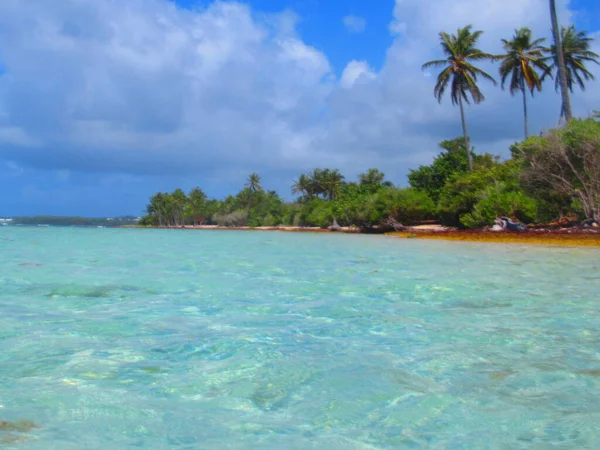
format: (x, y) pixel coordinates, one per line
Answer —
(567, 237)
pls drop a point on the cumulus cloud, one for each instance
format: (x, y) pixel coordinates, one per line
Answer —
(355, 24)
(145, 88)
(355, 71)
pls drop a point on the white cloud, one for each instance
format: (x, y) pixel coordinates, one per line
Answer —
(146, 88)
(355, 24)
(356, 71)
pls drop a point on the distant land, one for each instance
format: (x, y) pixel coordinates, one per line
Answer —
(70, 221)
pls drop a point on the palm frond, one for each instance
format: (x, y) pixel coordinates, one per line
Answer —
(434, 63)
(576, 51)
(442, 83)
(475, 71)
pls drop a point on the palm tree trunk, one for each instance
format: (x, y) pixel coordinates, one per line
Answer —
(562, 69)
(525, 118)
(562, 114)
(465, 133)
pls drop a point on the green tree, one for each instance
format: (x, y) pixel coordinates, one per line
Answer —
(160, 207)
(321, 182)
(178, 205)
(303, 186)
(332, 180)
(316, 181)
(462, 192)
(497, 200)
(316, 212)
(372, 177)
(523, 56)
(196, 205)
(397, 206)
(576, 53)
(451, 162)
(252, 186)
(560, 63)
(460, 74)
(253, 182)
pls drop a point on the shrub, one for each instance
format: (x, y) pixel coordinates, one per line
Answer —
(316, 212)
(450, 162)
(237, 218)
(566, 163)
(499, 201)
(460, 196)
(406, 206)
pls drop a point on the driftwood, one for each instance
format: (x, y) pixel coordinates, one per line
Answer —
(335, 226)
(590, 223)
(390, 224)
(393, 224)
(506, 224)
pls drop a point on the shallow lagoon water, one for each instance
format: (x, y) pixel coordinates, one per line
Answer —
(172, 339)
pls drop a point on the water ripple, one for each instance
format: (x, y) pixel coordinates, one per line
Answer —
(213, 340)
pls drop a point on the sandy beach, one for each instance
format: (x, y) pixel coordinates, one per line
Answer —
(579, 237)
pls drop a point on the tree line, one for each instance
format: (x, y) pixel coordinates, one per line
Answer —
(547, 178)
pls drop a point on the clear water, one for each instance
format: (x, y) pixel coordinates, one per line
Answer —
(169, 339)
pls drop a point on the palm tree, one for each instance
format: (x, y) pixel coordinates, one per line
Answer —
(523, 56)
(576, 52)
(331, 183)
(460, 73)
(373, 177)
(302, 186)
(197, 201)
(315, 181)
(253, 182)
(178, 200)
(560, 62)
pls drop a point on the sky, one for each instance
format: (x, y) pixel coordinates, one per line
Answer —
(105, 102)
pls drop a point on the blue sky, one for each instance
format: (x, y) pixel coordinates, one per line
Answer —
(103, 103)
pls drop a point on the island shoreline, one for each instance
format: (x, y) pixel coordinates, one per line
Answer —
(554, 237)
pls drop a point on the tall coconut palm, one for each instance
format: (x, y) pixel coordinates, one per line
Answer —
(460, 74)
(560, 62)
(576, 53)
(523, 56)
(253, 182)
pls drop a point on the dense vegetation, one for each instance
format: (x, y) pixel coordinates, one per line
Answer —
(548, 177)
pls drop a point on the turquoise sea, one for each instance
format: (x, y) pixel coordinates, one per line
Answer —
(175, 339)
